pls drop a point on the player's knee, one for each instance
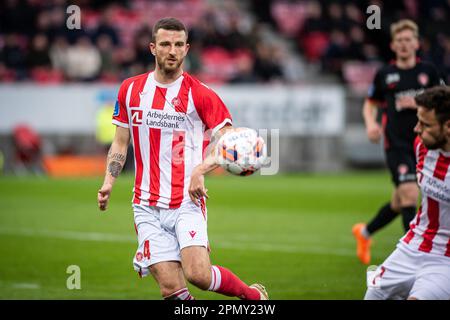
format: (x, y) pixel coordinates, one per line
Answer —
(198, 277)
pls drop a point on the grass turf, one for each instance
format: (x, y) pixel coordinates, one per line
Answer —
(291, 233)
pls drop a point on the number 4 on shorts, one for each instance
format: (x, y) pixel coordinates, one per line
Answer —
(147, 249)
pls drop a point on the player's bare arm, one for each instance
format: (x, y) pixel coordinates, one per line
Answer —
(197, 188)
(373, 129)
(114, 164)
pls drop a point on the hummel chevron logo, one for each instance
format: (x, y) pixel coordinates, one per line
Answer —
(192, 233)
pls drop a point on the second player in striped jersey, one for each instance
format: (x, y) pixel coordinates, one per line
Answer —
(420, 266)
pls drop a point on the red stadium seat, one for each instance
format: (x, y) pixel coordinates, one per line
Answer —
(217, 64)
(45, 75)
(314, 45)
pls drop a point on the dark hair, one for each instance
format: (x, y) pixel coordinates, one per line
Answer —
(168, 24)
(437, 99)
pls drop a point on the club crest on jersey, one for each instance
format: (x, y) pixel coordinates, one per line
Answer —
(392, 77)
(116, 109)
(136, 117)
(423, 79)
(176, 102)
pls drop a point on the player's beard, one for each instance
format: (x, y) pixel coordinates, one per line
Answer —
(165, 68)
(439, 142)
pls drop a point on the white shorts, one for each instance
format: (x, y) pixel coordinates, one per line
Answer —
(410, 273)
(162, 233)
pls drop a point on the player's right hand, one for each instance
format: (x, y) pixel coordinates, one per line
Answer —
(103, 196)
(374, 132)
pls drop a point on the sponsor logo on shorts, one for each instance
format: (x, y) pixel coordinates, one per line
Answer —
(402, 169)
(374, 275)
(192, 233)
(139, 256)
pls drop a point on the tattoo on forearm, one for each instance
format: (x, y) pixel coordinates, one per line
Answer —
(120, 157)
(114, 168)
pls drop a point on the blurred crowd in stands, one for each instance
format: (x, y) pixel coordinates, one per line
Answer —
(335, 34)
(112, 44)
(226, 37)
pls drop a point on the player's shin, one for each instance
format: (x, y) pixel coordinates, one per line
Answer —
(227, 283)
(384, 216)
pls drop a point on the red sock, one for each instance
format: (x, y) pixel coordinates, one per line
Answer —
(227, 283)
(182, 294)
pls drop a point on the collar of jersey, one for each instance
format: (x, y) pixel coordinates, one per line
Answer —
(445, 153)
(167, 85)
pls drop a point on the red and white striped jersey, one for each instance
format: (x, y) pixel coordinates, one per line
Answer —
(169, 126)
(430, 229)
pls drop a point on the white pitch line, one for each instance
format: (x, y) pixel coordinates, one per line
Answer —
(27, 286)
(231, 243)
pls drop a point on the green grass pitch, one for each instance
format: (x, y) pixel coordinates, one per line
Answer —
(291, 233)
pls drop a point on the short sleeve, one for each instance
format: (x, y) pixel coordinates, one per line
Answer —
(376, 88)
(120, 115)
(211, 109)
(419, 150)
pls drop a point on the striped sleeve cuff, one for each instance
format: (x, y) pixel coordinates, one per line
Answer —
(120, 124)
(221, 125)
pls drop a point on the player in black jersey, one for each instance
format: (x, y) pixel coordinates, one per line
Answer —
(393, 91)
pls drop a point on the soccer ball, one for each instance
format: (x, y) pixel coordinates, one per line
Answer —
(241, 151)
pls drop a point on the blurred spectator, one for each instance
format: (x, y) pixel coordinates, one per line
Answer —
(83, 60)
(315, 21)
(336, 18)
(355, 49)
(266, 68)
(58, 53)
(28, 150)
(336, 52)
(106, 26)
(16, 17)
(13, 55)
(354, 15)
(39, 54)
(142, 48)
(244, 71)
(108, 67)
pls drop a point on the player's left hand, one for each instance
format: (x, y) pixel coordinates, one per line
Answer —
(197, 188)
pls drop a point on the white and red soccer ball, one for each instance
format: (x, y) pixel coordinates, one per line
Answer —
(241, 151)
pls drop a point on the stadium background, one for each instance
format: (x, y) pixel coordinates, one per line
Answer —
(302, 67)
